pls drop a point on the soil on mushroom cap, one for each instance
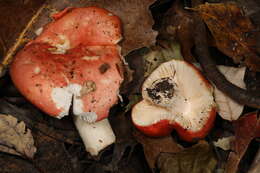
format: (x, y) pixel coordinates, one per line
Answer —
(161, 87)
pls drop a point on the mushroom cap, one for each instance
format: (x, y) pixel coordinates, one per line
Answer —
(81, 70)
(176, 96)
(88, 25)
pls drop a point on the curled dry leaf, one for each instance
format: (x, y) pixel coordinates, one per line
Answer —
(228, 108)
(196, 159)
(154, 146)
(246, 129)
(15, 138)
(234, 33)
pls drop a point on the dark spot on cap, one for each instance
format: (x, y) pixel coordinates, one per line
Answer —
(161, 87)
(103, 68)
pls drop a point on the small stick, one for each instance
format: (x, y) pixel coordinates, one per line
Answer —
(208, 65)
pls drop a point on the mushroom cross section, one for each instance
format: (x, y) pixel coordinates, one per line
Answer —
(175, 96)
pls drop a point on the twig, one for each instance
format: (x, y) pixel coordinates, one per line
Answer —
(10, 53)
(208, 65)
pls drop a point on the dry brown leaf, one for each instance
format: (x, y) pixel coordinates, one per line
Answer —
(13, 23)
(154, 146)
(177, 24)
(12, 34)
(52, 155)
(234, 33)
(15, 138)
(229, 109)
(246, 129)
(10, 164)
(199, 158)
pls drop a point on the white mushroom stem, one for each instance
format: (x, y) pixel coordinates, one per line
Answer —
(95, 136)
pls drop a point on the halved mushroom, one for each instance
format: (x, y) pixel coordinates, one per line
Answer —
(74, 62)
(176, 96)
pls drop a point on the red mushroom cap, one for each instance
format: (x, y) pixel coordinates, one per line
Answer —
(176, 96)
(83, 69)
(89, 25)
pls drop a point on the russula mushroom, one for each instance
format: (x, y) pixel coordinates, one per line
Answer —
(74, 62)
(175, 96)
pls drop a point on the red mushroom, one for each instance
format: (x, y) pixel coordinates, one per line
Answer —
(74, 62)
(176, 96)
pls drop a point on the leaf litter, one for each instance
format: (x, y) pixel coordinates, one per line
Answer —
(228, 108)
(234, 33)
(15, 138)
(175, 40)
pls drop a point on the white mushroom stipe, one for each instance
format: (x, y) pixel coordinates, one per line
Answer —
(89, 117)
(95, 136)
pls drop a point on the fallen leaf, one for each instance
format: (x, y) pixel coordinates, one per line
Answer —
(154, 146)
(234, 33)
(136, 64)
(62, 130)
(13, 23)
(10, 164)
(177, 24)
(52, 155)
(160, 54)
(228, 108)
(12, 36)
(252, 80)
(246, 129)
(196, 159)
(224, 143)
(15, 138)
(133, 99)
(144, 61)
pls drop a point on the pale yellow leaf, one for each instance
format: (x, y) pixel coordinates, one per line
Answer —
(15, 138)
(229, 109)
(224, 143)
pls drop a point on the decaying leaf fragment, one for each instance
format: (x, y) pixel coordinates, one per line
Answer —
(196, 159)
(160, 54)
(246, 129)
(234, 33)
(154, 146)
(177, 24)
(224, 143)
(229, 109)
(11, 35)
(15, 138)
